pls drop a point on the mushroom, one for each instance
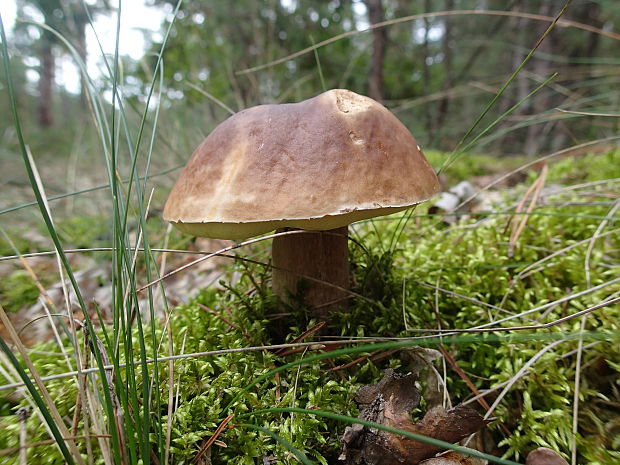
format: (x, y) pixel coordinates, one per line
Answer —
(317, 165)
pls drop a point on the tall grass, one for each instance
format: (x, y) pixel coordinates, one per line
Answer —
(132, 407)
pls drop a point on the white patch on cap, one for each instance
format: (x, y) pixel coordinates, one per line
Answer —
(350, 102)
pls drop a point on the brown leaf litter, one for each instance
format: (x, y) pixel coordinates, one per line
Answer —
(389, 403)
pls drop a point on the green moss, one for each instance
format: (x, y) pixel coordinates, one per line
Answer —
(586, 168)
(398, 283)
(17, 291)
(206, 385)
(16, 244)
(85, 231)
(471, 165)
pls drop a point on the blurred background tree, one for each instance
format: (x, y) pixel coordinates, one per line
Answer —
(436, 73)
(69, 18)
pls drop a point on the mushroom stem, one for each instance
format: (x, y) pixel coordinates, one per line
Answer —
(323, 257)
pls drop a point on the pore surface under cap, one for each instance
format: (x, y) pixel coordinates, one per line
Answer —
(318, 164)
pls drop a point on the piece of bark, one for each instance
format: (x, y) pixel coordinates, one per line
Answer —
(389, 403)
(447, 425)
(544, 456)
(398, 388)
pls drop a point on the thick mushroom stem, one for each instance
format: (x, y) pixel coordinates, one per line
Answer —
(318, 256)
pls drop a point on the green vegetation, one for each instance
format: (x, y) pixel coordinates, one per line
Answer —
(17, 291)
(405, 286)
(92, 171)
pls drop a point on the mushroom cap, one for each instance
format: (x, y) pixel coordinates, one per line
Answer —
(319, 164)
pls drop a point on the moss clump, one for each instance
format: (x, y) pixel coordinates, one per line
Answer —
(586, 168)
(17, 291)
(204, 385)
(14, 243)
(404, 285)
(208, 384)
(84, 232)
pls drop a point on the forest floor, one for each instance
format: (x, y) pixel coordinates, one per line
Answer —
(521, 246)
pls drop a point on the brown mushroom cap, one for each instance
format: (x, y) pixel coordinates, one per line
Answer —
(319, 164)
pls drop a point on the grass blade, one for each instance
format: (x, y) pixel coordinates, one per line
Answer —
(456, 152)
(421, 342)
(43, 400)
(287, 445)
(46, 217)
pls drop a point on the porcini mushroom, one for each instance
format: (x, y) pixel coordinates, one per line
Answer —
(317, 165)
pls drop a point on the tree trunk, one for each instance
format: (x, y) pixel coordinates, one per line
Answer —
(321, 256)
(498, 26)
(442, 107)
(426, 72)
(376, 15)
(520, 34)
(46, 83)
(586, 13)
(83, 52)
(542, 101)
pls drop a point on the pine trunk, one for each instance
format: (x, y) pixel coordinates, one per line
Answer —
(46, 83)
(379, 39)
